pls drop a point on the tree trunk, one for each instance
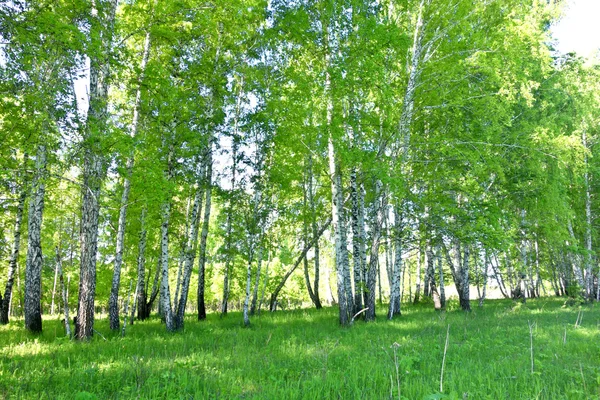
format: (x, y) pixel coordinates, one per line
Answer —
(257, 280)
(101, 28)
(344, 283)
(357, 243)
(589, 279)
(14, 258)
(34, 261)
(463, 296)
(273, 300)
(460, 273)
(55, 272)
(204, 236)
(315, 234)
(373, 268)
(165, 295)
(142, 307)
(113, 309)
(486, 263)
(65, 293)
(418, 278)
(246, 307)
(395, 289)
(190, 253)
(442, 283)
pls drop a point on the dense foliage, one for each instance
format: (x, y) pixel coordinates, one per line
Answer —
(276, 153)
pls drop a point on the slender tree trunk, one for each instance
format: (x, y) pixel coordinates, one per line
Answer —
(357, 243)
(418, 278)
(142, 307)
(165, 295)
(264, 287)
(464, 294)
(575, 261)
(64, 291)
(273, 300)
(93, 168)
(341, 252)
(126, 310)
(34, 262)
(442, 285)
(113, 308)
(395, 289)
(306, 187)
(228, 235)
(13, 260)
(257, 280)
(486, 263)
(55, 273)
(204, 236)
(190, 252)
(373, 267)
(589, 279)
(246, 307)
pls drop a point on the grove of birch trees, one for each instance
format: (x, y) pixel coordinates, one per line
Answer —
(173, 157)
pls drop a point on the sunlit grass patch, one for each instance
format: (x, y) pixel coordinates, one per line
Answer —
(305, 354)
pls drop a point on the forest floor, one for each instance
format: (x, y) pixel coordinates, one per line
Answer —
(305, 354)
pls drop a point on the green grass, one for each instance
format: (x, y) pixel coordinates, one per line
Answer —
(304, 354)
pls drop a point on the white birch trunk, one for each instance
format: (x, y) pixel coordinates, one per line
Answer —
(589, 278)
(190, 252)
(113, 308)
(395, 290)
(34, 261)
(14, 258)
(92, 172)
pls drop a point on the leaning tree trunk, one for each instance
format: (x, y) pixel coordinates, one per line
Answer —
(34, 261)
(273, 300)
(305, 188)
(315, 234)
(190, 254)
(101, 28)
(113, 307)
(12, 262)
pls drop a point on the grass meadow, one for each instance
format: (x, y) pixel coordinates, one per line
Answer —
(304, 354)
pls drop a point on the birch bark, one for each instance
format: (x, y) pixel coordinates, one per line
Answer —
(101, 27)
(34, 261)
(14, 258)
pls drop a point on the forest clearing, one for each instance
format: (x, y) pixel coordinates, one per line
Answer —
(301, 354)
